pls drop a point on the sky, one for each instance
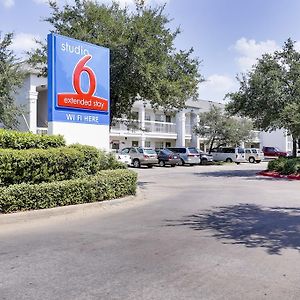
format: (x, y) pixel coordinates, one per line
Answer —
(227, 35)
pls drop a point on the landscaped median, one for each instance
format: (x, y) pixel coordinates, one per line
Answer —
(39, 172)
(283, 167)
(104, 185)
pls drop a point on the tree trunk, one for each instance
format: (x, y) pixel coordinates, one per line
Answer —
(294, 147)
(211, 144)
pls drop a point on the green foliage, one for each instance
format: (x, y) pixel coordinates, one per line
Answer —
(26, 140)
(11, 77)
(145, 64)
(103, 186)
(277, 164)
(219, 129)
(285, 166)
(54, 164)
(269, 94)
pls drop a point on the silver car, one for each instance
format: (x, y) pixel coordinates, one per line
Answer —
(188, 155)
(141, 156)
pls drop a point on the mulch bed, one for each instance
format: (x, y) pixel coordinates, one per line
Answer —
(275, 174)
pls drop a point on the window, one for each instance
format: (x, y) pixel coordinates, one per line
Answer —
(135, 143)
(133, 150)
(159, 117)
(147, 144)
(159, 145)
(168, 144)
(125, 151)
(168, 119)
(147, 117)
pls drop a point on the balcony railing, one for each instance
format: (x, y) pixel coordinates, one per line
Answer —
(150, 126)
(161, 127)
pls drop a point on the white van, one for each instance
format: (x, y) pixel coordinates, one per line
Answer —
(229, 154)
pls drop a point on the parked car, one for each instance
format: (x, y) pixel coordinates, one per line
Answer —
(167, 157)
(141, 156)
(273, 152)
(229, 154)
(187, 155)
(205, 158)
(254, 155)
(124, 158)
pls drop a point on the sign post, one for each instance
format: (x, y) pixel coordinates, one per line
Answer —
(78, 91)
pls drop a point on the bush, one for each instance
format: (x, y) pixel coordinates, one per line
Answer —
(277, 164)
(103, 186)
(27, 140)
(285, 166)
(106, 161)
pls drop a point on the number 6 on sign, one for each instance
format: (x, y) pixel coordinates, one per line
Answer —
(80, 99)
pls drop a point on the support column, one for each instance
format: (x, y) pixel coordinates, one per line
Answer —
(142, 124)
(32, 100)
(180, 129)
(194, 122)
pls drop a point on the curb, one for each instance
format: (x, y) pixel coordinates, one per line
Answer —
(277, 175)
(31, 215)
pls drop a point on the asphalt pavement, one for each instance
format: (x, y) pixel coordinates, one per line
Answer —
(201, 232)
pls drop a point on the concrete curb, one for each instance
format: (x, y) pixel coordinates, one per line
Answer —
(25, 216)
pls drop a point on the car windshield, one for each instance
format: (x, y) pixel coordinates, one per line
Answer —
(193, 150)
(167, 151)
(149, 151)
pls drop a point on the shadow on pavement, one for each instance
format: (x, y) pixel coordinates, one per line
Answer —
(273, 228)
(143, 184)
(229, 173)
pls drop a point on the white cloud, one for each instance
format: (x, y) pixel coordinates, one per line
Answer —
(250, 50)
(8, 3)
(216, 87)
(40, 1)
(23, 42)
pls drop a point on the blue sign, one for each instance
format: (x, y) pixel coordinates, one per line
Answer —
(78, 81)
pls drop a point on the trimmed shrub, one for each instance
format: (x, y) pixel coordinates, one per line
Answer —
(26, 140)
(105, 185)
(54, 164)
(285, 166)
(106, 161)
(276, 164)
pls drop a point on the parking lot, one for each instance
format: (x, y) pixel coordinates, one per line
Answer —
(201, 232)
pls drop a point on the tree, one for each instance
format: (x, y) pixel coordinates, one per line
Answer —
(270, 93)
(11, 77)
(219, 129)
(144, 62)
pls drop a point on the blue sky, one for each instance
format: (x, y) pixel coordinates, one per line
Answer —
(227, 35)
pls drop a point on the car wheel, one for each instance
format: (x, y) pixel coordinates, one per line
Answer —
(161, 163)
(203, 161)
(229, 160)
(251, 160)
(181, 162)
(136, 163)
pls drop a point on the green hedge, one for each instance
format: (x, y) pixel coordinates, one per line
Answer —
(105, 185)
(54, 164)
(285, 166)
(27, 140)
